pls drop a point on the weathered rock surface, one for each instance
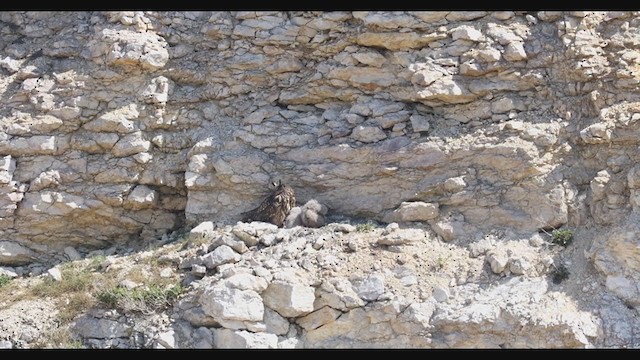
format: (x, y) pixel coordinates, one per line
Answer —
(123, 127)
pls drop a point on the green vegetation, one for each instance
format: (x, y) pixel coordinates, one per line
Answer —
(96, 262)
(4, 280)
(145, 300)
(82, 285)
(74, 279)
(365, 227)
(562, 237)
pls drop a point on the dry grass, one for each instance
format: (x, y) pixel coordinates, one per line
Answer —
(59, 338)
(85, 284)
(145, 300)
(74, 279)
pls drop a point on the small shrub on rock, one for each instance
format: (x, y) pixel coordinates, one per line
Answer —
(4, 280)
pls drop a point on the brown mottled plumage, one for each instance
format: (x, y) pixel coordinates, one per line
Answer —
(275, 207)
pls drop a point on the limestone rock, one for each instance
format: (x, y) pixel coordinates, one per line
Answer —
(275, 324)
(514, 51)
(91, 327)
(318, 318)
(13, 254)
(203, 230)
(596, 134)
(230, 241)
(517, 306)
(448, 230)
(125, 47)
(225, 303)
(420, 123)
(7, 167)
(55, 274)
(371, 288)
(413, 211)
(221, 255)
(289, 300)
(498, 262)
(131, 144)
(246, 282)
(466, 33)
(141, 197)
(242, 339)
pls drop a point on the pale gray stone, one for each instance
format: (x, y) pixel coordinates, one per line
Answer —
(448, 230)
(503, 15)
(198, 270)
(230, 339)
(230, 241)
(123, 47)
(203, 230)
(91, 327)
(370, 58)
(224, 303)
(345, 228)
(13, 254)
(9, 272)
(391, 227)
(221, 255)
(141, 197)
(318, 318)
(518, 266)
(244, 281)
(402, 237)
(249, 233)
(55, 274)
(633, 178)
(166, 273)
(7, 167)
(371, 288)
(505, 104)
(413, 211)
(465, 15)
(275, 324)
(440, 294)
(514, 51)
(167, 340)
(10, 64)
(420, 123)
(368, 134)
(131, 144)
(502, 34)
(498, 262)
(465, 32)
(72, 253)
(118, 121)
(205, 338)
(289, 300)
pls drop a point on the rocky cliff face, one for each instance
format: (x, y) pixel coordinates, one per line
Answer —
(120, 127)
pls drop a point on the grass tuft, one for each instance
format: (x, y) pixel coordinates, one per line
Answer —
(146, 300)
(562, 237)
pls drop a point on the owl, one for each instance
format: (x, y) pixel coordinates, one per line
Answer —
(275, 207)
